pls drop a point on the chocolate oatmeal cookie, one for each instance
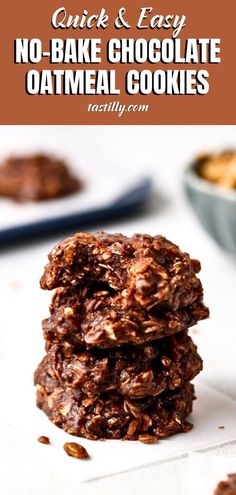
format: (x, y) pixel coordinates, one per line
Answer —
(36, 178)
(111, 415)
(227, 487)
(150, 271)
(89, 317)
(133, 371)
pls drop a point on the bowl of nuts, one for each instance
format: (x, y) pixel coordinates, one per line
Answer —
(210, 184)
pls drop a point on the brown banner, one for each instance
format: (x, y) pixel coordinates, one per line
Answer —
(204, 19)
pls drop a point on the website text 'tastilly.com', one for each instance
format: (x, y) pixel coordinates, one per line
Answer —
(117, 107)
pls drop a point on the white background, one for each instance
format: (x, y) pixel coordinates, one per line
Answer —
(163, 153)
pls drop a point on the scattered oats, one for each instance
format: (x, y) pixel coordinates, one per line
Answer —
(44, 440)
(147, 438)
(73, 449)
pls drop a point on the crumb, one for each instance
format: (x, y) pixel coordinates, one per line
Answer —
(15, 284)
(44, 440)
(194, 331)
(73, 449)
(221, 427)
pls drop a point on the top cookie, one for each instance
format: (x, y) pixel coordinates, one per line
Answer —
(148, 270)
(36, 178)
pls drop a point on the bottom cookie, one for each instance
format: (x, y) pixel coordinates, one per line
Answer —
(112, 416)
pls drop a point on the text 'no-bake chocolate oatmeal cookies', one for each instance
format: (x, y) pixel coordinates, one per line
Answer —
(119, 358)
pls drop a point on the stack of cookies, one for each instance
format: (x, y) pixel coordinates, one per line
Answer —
(119, 358)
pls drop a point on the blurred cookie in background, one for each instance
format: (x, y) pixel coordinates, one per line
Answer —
(36, 178)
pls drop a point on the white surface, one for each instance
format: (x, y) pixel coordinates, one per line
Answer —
(100, 190)
(210, 410)
(162, 151)
(207, 470)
